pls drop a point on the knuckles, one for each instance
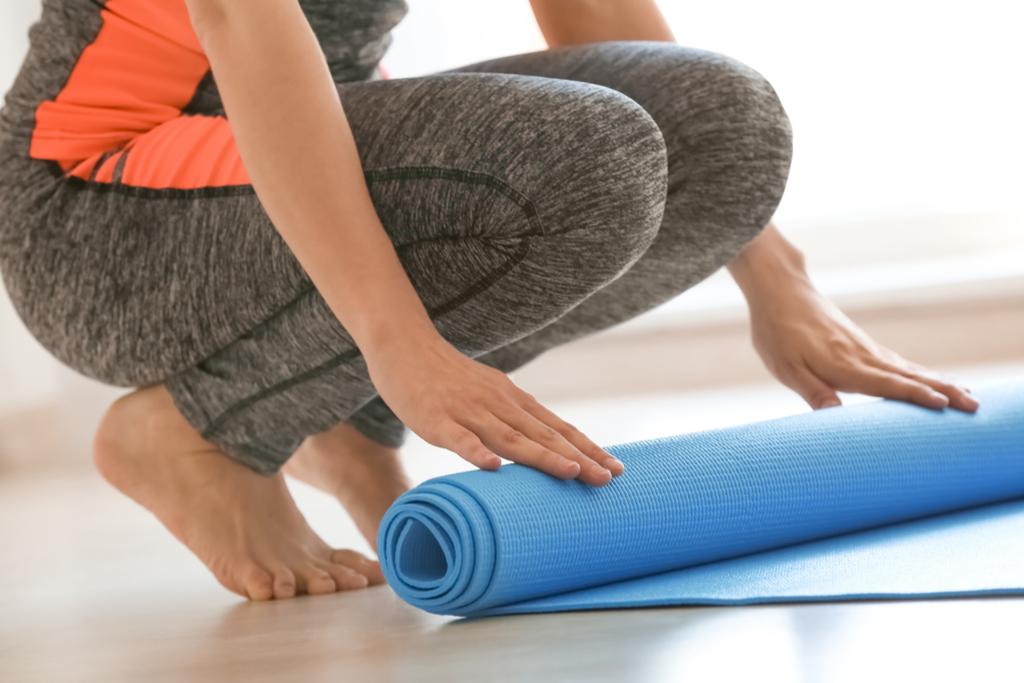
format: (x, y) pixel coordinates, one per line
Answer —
(512, 437)
(549, 435)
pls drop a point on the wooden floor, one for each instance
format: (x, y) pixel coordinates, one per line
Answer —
(93, 589)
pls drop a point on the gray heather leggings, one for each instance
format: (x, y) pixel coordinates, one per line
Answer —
(532, 200)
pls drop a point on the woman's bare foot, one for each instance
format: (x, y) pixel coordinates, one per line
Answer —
(363, 475)
(243, 526)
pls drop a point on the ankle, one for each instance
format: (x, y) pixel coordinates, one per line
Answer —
(136, 430)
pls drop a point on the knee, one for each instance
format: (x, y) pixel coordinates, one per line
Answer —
(729, 145)
(745, 107)
(724, 119)
(701, 100)
(739, 143)
(603, 196)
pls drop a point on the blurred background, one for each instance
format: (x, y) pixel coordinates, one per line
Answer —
(904, 194)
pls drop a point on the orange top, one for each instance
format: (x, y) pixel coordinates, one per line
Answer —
(122, 106)
(138, 108)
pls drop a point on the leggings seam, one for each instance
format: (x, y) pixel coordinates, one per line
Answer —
(102, 160)
(473, 177)
(119, 167)
(382, 174)
(313, 373)
(478, 178)
(139, 192)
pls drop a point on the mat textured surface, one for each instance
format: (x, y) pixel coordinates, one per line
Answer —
(881, 499)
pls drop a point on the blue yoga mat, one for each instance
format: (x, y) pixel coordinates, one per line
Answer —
(881, 499)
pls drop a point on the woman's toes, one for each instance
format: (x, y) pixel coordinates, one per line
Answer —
(257, 584)
(316, 581)
(284, 584)
(360, 564)
(344, 578)
(373, 573)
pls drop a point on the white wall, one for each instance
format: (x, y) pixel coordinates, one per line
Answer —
(900, 107)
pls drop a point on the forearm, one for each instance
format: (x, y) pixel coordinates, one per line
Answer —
(301, 158)
(572, 22)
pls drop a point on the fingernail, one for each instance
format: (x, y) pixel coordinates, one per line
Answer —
(599, 471)
(940, 397)
(831, 403)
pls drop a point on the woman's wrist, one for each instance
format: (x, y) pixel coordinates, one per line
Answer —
(389, 332)
(768, 264)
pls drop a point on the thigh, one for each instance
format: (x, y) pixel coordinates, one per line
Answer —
(140, 270)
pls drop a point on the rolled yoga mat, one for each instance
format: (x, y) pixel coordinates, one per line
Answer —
(733, 516)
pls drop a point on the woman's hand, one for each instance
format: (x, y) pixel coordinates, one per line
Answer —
(454, 402)
(810, 346)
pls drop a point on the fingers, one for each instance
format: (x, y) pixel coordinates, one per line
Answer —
(552, 441)
(468, 446)
(876, 377)
(512, 443)
(575, 437)
(817, 394)
(514, 434)
(531, 436)
(887, 376)
(959, 396)
(477, 412)
(878, 382)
